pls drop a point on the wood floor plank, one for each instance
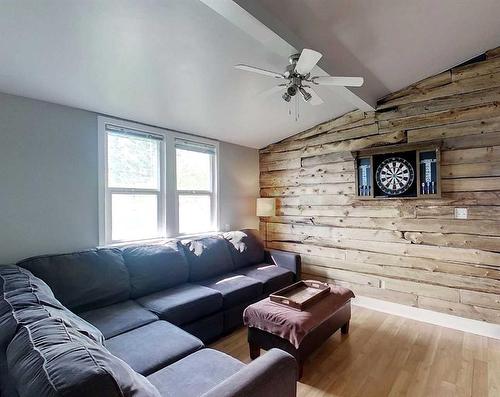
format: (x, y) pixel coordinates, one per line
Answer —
(386, 355)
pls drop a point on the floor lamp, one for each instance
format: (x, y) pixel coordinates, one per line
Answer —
(266, 207)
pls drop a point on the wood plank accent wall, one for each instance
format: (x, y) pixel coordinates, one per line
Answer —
(411, 252)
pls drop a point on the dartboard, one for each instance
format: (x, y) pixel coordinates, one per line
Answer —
(394, 175)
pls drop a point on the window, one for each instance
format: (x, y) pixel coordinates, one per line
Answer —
(195, 164)
(154, 183)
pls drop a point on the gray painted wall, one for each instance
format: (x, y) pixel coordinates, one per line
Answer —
(239, 186)
(48, 179)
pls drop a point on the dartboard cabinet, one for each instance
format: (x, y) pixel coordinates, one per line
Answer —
(400, 171)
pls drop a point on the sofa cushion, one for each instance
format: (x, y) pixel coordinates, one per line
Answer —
(233, 317)
(246, 247)
(235, 288)
(153, 346)
(16, 279)
(207, 257)
(7, 385)
(183, 304)
(25, 299)
(118, 318)
(24, 310)
(273, 277)
(209, 367)
(155, 267)
(46, 358)
(83, 280)
(207, 329)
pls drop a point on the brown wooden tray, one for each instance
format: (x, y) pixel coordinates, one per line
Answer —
(301, 294)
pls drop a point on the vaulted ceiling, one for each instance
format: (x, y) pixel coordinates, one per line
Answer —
(392, 43)
(170, 62)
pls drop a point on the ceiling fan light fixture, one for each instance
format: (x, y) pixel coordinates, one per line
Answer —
(305, 94)
(286, 97)
(291, 90)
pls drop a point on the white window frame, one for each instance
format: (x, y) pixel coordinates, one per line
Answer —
(168, 205)
(212, 192)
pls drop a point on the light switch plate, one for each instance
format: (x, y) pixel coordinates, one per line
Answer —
(461, 213)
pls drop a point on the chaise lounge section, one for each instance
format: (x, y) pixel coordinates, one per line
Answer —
(140, 315)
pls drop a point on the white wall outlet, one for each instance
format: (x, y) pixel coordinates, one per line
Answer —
(227, 227)
(461, 213)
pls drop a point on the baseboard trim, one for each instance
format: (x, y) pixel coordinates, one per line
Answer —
(428, 316)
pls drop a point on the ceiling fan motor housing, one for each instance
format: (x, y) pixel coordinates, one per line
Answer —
(294, 86)
(293, 59)
(290, 69)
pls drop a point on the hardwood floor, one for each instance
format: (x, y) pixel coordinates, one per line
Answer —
(386, 355)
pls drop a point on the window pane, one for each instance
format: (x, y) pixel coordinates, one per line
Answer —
(133, 162)
(195, 214)
(193, 170)
(134, 216)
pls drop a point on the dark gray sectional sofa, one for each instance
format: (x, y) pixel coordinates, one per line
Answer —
(133, 321)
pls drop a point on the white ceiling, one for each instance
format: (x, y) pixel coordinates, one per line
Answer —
(392, 43)
(170, 62)
(163, 62)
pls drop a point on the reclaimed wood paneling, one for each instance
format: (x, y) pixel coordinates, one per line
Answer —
(462, 86)
(463, 129)
(407, 251)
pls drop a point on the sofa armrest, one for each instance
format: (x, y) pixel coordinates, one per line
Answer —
(287, 260)
(272, 375)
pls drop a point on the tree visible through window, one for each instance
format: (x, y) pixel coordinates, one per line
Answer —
(133, 161)
(195, 186)
(134, 185)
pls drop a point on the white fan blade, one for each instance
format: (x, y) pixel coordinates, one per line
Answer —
(315, 98)
(260, 71)
(271, 91)
(308, 59)
(342, 81)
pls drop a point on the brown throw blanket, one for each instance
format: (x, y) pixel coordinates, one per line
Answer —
(290, 324)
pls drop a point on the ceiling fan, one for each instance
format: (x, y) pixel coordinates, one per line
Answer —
(299, 80)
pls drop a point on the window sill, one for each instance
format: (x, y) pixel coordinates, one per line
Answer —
(158, 240)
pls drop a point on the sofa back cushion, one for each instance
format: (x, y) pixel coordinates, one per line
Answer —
(49, 359)
(155, 267)
(83, 280)
(25, 299)
(7, 386)
(246, 247)
(7, 332)
(207, 257)
(15, 279)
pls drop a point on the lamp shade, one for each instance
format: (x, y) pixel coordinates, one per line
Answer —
(266, 207)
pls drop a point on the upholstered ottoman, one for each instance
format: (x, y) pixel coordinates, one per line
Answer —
(272, 325)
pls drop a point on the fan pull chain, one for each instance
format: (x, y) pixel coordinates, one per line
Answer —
(296, 108)
(295, 104)
(297, 113)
